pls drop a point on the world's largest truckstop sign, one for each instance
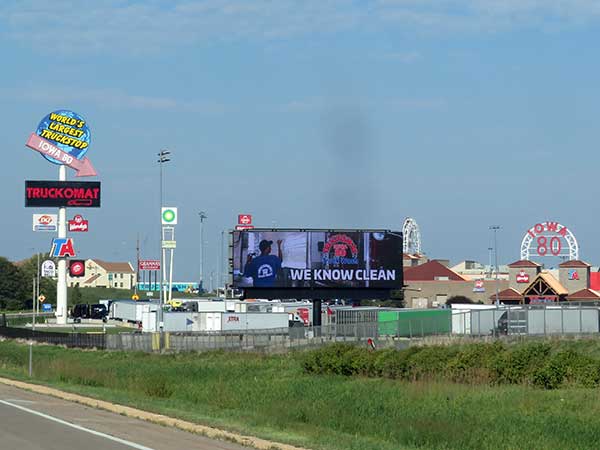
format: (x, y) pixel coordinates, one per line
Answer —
(63, 137)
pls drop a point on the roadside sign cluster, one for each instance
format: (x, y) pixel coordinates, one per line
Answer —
(62, 137)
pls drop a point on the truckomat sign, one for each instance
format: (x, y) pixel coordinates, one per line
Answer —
(317, 259)
(82, 194)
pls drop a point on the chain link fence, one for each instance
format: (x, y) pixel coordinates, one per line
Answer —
(521, 320)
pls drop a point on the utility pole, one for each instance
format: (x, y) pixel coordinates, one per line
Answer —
(495, 228)
(163, 157)
(137, 267)
(203, 216)
(221, 261)
(37, 292)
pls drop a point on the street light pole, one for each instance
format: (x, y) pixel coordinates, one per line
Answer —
(162, 158)
(203, 216)
(495, 228)
(37, 290)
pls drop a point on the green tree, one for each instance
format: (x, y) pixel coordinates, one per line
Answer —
(30, 270)
(75, 295)
(461, 299)
(12, 286)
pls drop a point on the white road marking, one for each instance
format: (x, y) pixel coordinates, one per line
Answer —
(77, 427)
(18, 400)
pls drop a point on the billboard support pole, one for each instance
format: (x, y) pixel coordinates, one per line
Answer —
(61, 285)
(317, 315)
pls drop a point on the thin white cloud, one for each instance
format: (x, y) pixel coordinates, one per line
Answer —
(110, 99)
(154, 25)
(321, 104)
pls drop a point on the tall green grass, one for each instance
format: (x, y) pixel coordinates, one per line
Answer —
(539, 364)
(273, 397)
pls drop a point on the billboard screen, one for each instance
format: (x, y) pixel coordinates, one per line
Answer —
(82, 194)
(317, 259)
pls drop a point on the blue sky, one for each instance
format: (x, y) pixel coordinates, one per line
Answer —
(329, 113)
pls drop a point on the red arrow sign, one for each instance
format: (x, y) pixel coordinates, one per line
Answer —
(83, 167)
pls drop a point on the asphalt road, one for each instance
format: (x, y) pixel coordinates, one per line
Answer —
(30, 421)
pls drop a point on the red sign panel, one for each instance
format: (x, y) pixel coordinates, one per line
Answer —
(244, 219)
(149, 264)
(82, 194)
(522, 277)
(78, 223)
(77, 268)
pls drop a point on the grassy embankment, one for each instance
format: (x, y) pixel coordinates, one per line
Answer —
(275, 397)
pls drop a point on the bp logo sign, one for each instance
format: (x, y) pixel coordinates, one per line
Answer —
(169, 216)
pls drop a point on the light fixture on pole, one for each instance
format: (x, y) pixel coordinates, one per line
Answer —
(163, 157)
(203, 216)
(495, 228)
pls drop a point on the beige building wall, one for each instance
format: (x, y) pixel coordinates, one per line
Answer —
(98, 276)
(513, 272)
(582, 273)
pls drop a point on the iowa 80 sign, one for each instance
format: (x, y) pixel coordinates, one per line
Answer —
(549, 240)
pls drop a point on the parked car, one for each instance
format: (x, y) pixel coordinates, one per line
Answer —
(85, 311)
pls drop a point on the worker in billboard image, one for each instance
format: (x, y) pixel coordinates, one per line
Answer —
(264, 268)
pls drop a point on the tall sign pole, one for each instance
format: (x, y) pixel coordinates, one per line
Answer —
(163, 157)
(61, 284)
(63, 138)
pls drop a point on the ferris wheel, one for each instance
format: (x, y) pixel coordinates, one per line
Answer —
(412, 236)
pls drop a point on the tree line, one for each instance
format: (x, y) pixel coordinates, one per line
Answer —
(17, 283)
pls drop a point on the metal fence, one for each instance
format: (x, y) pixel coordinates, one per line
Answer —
(528, 320)
(522, 320)
(76, 340)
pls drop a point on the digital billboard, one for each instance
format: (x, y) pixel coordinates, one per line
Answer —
(310, 260)
(62, 193)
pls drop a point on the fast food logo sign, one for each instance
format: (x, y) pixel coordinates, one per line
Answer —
(340, 245)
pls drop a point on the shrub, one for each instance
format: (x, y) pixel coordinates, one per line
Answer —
(473, 362)
(532, 363)
(430, 362)
(515, 366)
(390, 363)
(340, 359)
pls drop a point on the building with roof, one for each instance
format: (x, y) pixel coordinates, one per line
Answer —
(431, 284)
(529, 284)
(98, 273)
(474, 270)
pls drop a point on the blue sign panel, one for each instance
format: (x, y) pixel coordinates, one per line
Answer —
(68, 131)
(46, 307)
